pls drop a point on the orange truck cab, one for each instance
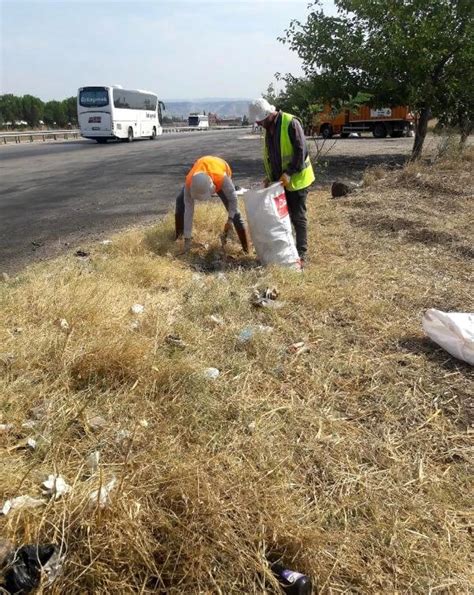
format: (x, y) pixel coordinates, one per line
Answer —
(395, 121)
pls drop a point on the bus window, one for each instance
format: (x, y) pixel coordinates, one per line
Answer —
(94, 97)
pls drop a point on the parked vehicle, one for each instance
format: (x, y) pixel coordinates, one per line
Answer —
(198, 120)
(394, 121)
(111, 112)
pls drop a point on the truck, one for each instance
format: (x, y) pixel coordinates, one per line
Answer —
(380, 121)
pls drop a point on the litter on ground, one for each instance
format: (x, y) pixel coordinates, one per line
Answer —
(21, 503)
(247, 333)
(453, 331)
(266, 298)
(211, 373)
(55, 487)
(26, 564)
(101, 496)
(215, 319)
(298, 348)
(92, 461)
(137, 309)
(176, 341)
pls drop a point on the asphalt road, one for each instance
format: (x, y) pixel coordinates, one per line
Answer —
(55, 197)
(59, 196)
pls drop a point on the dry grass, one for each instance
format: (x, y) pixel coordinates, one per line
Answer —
(351, 461)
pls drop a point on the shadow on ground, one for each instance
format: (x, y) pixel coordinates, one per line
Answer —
(413, 232)
(351, 167)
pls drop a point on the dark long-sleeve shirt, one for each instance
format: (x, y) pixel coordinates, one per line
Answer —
(298, 141)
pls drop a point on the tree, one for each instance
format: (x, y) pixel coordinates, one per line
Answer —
(400, 51)
(70, 109)
(32, 109)
(55, 114)
(10, 108)
(455, 101)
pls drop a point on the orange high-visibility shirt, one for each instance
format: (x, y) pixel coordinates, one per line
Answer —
(215, 167)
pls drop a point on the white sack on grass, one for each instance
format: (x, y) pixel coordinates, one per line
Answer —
(270, 226)
(453, 331)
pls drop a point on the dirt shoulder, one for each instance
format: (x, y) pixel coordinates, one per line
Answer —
(348, 459)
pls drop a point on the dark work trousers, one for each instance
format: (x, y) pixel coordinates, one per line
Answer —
(296, 201)
(179, 213)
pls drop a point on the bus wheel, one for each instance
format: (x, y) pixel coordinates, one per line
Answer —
(380, 131)
(101, 141)
(326, 131)
(153, 134)
(130, 135)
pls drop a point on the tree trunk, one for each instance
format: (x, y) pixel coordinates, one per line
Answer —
(420, 133)
(466, 129)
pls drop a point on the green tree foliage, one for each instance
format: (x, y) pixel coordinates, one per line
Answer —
(10, 108)
(55, 113)
(402, 52)
(33, 110)
(70, 108)
(304, 97)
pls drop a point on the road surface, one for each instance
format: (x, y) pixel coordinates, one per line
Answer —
(58, 196)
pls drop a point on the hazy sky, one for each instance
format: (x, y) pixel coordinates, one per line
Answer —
(182, 49)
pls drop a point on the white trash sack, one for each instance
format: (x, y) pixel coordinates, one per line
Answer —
(270, 226)
(453, 331)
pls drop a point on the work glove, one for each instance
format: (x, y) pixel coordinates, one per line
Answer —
(285, 180)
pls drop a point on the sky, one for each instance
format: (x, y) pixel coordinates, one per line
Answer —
(179, 49)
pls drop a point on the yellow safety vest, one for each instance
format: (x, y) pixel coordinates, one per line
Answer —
(299, 180)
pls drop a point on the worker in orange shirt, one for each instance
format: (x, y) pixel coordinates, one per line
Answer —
(207, 176)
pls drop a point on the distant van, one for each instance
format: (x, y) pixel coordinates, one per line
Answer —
(198, 120)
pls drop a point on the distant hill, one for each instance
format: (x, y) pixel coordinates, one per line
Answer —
(225, 108)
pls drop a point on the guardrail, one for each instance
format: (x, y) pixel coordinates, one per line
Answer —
(17, 137)
(45, 134)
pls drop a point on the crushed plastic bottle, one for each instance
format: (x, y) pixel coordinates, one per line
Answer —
(292, 582)
(248, 332)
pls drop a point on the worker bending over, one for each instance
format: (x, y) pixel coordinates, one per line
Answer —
(286, 159)
(207, 176)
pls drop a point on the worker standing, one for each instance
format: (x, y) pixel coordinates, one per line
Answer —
(207, 176)
(286, 159)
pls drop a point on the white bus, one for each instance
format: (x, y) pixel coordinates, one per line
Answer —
(111, 112)
(199, 120)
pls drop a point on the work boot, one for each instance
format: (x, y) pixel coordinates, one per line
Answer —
(244, 239)
(178, 225)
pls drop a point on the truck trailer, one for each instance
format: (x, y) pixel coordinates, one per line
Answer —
(394, 121)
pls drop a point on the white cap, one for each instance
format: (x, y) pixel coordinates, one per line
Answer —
(259, 109)
(202, 187)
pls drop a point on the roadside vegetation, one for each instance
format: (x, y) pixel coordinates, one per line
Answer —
(349, 459)
(414, 53)
(27, 110)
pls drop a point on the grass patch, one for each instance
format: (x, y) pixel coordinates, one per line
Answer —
(351, 461)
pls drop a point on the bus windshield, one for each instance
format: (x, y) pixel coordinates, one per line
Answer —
(193, 120)
(94, 97)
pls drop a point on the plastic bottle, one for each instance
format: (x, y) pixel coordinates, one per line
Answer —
(292, 582)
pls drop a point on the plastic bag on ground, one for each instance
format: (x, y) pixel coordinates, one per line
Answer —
(270, 226)
(23, 573)
(453, 331)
